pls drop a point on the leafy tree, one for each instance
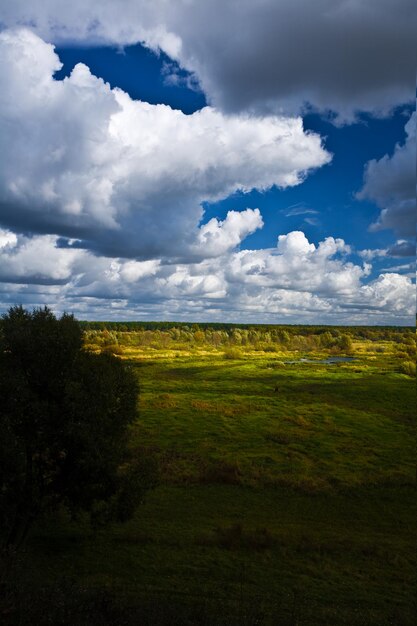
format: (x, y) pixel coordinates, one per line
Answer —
(345, 343)
(326, 340)
(64, 418)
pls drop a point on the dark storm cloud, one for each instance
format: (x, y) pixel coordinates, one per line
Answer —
(339, 55)
(390, 182)
(402, 249)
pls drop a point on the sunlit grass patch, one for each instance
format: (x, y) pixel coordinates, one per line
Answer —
(348, 423)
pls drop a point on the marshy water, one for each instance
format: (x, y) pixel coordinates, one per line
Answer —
(333, 360)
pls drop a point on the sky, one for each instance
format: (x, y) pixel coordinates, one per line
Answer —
(199, 160)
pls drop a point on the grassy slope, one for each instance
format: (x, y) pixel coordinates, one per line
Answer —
(300, 499)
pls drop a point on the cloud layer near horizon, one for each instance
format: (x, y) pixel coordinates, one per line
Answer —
(342, 56)
(294, 282)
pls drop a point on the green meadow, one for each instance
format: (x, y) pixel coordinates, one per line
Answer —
(286, 489)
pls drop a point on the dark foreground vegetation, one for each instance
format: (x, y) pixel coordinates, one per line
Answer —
(286, 486)
(64, 421)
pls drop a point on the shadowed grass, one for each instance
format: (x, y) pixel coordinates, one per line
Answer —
(286, 497)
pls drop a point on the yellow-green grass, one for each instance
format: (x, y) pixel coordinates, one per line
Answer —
(265, 423)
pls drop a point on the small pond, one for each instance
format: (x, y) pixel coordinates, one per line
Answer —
(331, 360)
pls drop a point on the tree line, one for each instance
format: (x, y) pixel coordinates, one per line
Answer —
(360, 332)
(261, 338)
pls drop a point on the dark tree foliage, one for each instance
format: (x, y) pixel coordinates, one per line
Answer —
(366, 332)
(64, 418)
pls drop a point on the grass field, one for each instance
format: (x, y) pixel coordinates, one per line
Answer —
(286, 495)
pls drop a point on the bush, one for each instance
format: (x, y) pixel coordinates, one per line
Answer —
(409, 368)
(232, 353)
(271, 348)
(113, 348)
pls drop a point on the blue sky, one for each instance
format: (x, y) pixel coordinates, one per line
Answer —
(285, 194)
(330, 191)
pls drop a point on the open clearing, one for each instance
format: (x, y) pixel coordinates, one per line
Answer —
(286, 493)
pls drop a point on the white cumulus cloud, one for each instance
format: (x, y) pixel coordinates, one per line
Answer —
(217, 237)
(124, 177)
(295, 281)
(35, 260)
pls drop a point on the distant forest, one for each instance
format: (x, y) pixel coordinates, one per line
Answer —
(364, 332)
